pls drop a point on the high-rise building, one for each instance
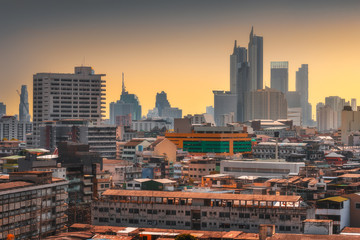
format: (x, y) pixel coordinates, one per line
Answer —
(302, 87)
(266, 104)
(128, 104)
(337, 104)
(243, 87)
(256, 61)
(24, 115)
(11, 128)
(225, 103)
(2, 109)
(57, 96)
(238, 57)
(280, 76)
(162, 102)
(326, 118)
(353, 104)
(350, 123)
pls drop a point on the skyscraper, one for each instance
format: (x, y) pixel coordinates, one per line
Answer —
(162, 102)
(2, 109)
(78, 95)
(256, 61)
(224, 105)
(280, 76)
(128, 104)
(302, 87)
(266, 104)
(238, 57)
(353, 104)
(24, 115)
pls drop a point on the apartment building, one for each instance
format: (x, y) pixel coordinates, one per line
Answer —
(32, 205)
(11, 128)
(67, 95)
(101, 138)
(199, 211)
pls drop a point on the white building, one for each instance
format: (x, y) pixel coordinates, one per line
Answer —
(78, 95)
(149, 124)
(259, 168)
(11, 128)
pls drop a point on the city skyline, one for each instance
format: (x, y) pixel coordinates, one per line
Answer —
(161, 50)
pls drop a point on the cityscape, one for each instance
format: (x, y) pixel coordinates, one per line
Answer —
(102, 142)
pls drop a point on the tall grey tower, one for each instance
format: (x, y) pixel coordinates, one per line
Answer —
(280, 76)
(24, 115)
(256, 61)
(238, 57)
(161, 102)
(302, 87)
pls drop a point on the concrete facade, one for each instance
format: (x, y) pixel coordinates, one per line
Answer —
(78, 95)
(201, 211)
(259, 168)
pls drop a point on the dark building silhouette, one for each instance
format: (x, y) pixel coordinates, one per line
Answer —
(256, 61)
(162, 102)
(24, 115)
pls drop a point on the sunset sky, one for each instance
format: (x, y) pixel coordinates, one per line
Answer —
(180, 47)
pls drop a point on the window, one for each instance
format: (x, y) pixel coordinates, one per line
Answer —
(187, 213)
(357, 205)
(204, 214)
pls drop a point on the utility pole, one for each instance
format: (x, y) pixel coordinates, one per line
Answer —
(276, 135)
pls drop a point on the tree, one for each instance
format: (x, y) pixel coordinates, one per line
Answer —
(185, 237)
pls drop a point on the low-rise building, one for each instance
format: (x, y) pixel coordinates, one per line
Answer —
(32, 205)
(285, 150)
(205, 211)
(262, 168)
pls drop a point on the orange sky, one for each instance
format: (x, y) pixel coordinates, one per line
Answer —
(185, 54)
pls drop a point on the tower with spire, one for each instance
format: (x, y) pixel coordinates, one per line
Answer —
(128, 104)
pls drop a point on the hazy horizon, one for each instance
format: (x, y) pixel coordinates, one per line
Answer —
(180, 47)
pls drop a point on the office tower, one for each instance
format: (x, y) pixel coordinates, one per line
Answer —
(326, 118)
(243, 87)
(337, 104)
(280, 76)
(353, 104)
(24, 115)
(2, 109)
(128, 104)
(266, 104)
(225, 103)
(302, 87)
(350, 123)
(78, 95)
(238, 57)
(293, 99)
(256, 61)
(162, 102)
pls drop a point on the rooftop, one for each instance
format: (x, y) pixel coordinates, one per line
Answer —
(194, 195)
(13, 185)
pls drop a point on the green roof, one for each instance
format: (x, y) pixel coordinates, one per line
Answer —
(14, 157)
(334, 199)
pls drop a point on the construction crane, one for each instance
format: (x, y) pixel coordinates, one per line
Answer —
(22, 101)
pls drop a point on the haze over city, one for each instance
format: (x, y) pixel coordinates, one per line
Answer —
(181, 47)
